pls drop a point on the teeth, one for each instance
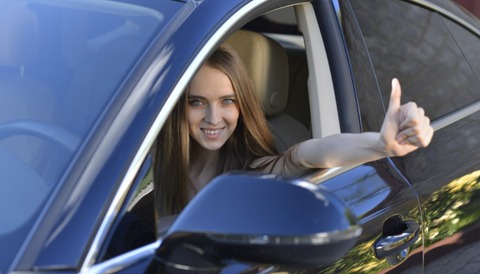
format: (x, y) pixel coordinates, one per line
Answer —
(211, 132)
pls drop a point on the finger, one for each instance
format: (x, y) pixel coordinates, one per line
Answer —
(429, 136)
(411, 115)
(419, 140)
(421, 111)
(412, 140)
(405, 136)
(419, 135)
(409, 132)
(425, 139)
(395, 95)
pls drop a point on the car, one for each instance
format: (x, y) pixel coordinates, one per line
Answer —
(86, 86)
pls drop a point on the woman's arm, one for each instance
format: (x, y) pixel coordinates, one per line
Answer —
(405, 129)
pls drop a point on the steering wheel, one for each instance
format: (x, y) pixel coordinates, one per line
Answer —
(45, 131)
(22, 176)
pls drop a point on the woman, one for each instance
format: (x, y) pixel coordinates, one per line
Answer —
(218, 126)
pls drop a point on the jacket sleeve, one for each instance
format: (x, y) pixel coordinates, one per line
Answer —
(285, 164)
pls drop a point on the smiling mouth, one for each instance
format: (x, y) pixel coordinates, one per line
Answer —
(212, 132)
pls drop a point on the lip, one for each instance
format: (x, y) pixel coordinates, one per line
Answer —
(212, 133)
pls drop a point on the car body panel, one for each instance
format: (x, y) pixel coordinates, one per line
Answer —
(375, 193)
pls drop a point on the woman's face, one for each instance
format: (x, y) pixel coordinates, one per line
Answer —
(212, 109)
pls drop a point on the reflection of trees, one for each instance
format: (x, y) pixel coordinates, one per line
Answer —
(358, 260)
(373, 193)
(453, 208)
(361, 260)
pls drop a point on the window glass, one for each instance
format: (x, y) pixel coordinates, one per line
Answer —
(468, 42)
(135, 226)
(417, 48)
(61, 63)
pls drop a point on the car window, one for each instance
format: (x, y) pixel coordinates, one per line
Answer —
(135, 224)
(420, 52)
(55, 81)
(468, 42)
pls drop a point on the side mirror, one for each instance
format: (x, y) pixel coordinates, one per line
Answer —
(260, 219)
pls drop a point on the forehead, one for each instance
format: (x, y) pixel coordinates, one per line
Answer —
(209, 82)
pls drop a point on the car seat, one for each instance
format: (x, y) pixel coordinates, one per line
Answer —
(267, 63)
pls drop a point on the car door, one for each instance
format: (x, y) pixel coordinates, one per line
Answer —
(378, 193)
(433, 50)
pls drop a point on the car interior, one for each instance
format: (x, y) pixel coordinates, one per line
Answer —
(267, 62)
(311, 96)
(291, 75)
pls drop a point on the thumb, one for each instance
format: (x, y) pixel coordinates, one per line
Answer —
(394, 104)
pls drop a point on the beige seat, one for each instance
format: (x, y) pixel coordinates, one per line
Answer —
(267, 63)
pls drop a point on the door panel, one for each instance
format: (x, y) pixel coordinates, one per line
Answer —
(446, 175)
(427, 52)
(383, 202)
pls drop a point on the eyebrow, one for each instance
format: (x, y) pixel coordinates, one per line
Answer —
(201, 97)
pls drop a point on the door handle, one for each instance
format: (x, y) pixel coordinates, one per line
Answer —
(395, 247)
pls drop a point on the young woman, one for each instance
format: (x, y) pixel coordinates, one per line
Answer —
(218, 126)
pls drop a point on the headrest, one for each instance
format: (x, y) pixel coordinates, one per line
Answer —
(18, 34)
(267, 63)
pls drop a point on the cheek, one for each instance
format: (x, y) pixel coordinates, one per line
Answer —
(233, 115)
(193, 116)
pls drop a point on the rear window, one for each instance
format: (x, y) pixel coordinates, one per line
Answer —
(419, 49)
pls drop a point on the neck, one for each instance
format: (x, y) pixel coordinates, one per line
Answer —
(204, 165)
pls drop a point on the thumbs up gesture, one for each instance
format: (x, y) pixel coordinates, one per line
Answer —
(405, 128)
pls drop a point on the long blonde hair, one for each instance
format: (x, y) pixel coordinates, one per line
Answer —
(251, 139)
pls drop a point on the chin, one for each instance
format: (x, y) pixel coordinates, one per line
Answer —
(213, 146)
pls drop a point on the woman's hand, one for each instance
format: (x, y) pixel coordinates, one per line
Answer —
(405, 128)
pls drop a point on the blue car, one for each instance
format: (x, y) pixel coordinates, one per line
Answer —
(86, 86)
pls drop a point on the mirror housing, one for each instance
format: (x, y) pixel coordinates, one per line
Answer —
(260, 219)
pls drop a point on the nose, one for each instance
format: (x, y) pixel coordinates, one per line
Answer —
(213, 115)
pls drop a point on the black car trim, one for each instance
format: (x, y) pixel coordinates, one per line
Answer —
(342, 75)
(316, 239)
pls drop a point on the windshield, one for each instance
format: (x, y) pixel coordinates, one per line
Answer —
(60, 64)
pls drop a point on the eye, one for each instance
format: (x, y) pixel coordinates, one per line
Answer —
(195, 102)
(228, 101)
